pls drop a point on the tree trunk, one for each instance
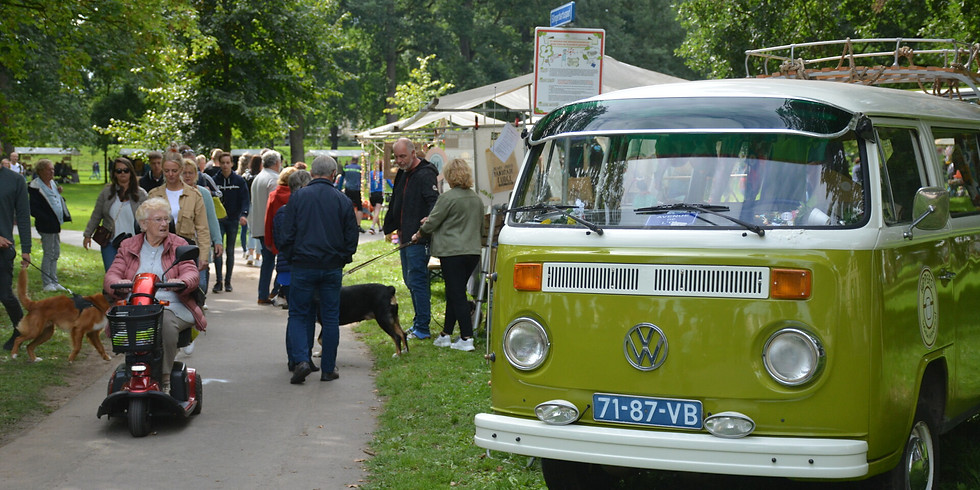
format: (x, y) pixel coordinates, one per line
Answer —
(296, 134)
(391, 70)
(334, 136)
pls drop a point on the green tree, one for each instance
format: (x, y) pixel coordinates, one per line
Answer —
(719, 31)
(418, 90)
(55, 54)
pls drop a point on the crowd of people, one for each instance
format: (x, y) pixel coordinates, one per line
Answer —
(177, 197)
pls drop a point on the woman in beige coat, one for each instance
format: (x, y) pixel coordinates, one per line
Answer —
(190, 219)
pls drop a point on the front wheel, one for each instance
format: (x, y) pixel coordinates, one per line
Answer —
(139, 417)
(571, 475)
(919, 466)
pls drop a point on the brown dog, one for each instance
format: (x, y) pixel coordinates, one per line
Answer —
(88, 319)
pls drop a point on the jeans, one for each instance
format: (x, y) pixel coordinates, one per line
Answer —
(415, 273)
(244, 238)
(265, 272)
(301, 326)
(10, 302)
(51, 245)
(229, 231)
(456, 270)
(108, 255)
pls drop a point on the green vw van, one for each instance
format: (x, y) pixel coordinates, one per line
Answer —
(746, 277)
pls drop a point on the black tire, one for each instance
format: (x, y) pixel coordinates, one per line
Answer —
(139, 417)
(570, 475)
(919, 466)
(198, 395)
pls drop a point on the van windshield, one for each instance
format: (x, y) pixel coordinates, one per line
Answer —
(694, 180)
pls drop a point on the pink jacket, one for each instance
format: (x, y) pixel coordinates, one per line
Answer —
(127, 262)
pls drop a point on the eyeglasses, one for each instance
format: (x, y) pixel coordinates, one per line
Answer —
(122, 170)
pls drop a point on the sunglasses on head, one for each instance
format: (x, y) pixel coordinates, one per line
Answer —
(122, 170)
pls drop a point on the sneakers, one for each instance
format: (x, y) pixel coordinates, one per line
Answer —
(228, 288)
(216, 288)
(329, 375)
(418, 334)
(53, 287)
(280, 302)
(463, 345)
(442, 340)
(188, 349)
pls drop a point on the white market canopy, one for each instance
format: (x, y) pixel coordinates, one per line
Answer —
(35, 150)
(462, 109)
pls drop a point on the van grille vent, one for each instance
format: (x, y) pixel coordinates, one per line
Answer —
(657, 280)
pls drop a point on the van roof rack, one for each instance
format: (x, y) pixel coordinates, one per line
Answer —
(951, 69)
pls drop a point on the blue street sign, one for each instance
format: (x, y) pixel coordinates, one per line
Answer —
(563, 15)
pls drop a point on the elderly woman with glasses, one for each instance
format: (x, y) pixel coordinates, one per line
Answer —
(154, 251)
(115, 208)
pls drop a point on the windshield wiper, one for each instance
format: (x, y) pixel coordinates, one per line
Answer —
(562, 209)
(713, 209)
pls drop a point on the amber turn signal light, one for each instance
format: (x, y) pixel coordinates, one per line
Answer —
(790, 284)
(527, 277)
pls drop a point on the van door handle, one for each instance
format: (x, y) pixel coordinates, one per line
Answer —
(946, 275)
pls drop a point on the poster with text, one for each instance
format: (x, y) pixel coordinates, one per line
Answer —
(567, 66)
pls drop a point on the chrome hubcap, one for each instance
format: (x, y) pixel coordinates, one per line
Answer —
(919, 469)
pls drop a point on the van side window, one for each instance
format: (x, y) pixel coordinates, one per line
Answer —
(959, 151)
(901, 172)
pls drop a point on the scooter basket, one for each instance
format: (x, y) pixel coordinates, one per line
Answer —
(135, 328)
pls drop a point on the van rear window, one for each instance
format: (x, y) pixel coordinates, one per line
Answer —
(704, 113)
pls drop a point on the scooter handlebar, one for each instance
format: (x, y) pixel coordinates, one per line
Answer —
(175, 285)
(121, 285)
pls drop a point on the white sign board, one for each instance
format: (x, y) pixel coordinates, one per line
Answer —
(567, 66)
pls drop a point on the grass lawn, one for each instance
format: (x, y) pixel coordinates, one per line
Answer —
(21, 384)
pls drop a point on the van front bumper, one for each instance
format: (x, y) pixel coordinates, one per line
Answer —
(791, 457)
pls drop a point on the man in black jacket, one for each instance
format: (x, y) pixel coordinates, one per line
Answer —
(235, 199)
(319, 237)
(414, 193)
(14, 209)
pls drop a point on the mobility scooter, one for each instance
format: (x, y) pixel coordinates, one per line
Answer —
(135, 387)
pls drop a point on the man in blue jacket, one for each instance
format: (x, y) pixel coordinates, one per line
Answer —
(235, 199)
(320, 237)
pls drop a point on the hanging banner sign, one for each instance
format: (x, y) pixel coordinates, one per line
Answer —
(567, 66)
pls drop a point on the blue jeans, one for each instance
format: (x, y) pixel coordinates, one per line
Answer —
(244, 238)
(108, 255)
(301, 326)
(265, 272)
(229, 231)
(415, 273)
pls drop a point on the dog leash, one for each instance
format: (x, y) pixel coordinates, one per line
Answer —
(363, 264)
(69, 291)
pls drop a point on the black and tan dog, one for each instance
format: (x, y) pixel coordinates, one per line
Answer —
(80, 316)
(372, 301)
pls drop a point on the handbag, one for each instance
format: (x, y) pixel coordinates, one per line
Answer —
(219, 209)
(101, 236)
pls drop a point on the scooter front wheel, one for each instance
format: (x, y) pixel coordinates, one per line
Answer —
(139, 420)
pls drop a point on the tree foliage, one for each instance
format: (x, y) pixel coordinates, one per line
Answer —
(417, 91)
(720, 31)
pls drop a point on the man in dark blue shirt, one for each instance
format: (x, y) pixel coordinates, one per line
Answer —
(235, 199)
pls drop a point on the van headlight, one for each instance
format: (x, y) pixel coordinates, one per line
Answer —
(793, 356)
(526, 344)
(557, 412)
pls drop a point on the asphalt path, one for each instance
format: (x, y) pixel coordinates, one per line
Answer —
(256, 430)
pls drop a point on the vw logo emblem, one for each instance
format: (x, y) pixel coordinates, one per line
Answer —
(645, 347)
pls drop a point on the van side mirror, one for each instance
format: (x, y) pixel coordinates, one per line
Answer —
(930, 208)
